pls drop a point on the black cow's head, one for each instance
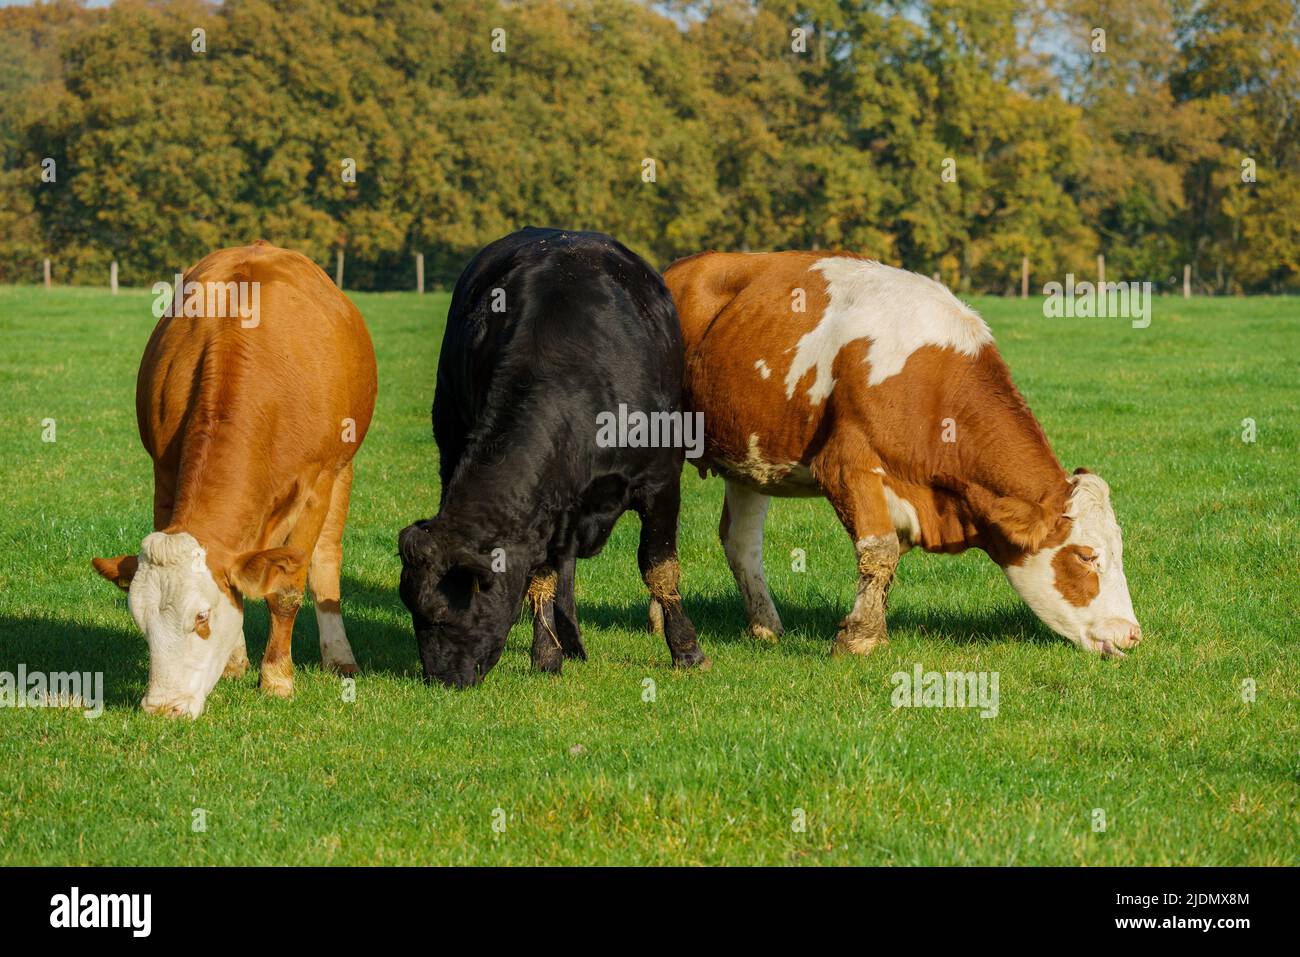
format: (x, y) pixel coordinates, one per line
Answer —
(461, 608)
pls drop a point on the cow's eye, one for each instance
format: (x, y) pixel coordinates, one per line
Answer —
(201, 624)
(1089, 558)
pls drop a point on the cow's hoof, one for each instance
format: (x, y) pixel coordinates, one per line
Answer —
(344, 669)
(858, 642)
(764, 633)
(277, 689)
(695, 659)
(276, 683)
(549, 663)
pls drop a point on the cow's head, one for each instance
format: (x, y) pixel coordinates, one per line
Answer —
(192, 623)
(461, 608)
(1068, 565)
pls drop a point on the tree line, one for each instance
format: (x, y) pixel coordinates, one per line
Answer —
(947, 137)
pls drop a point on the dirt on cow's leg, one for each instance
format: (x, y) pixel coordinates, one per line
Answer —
(547, 652)
(864, 628)
(237, 666)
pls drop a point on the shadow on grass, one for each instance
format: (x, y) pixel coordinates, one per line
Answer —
(987, 626)
(381, 637)
(721, 620)
(49, 645)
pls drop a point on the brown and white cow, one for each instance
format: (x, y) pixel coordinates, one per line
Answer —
(833, 375)
(251, 416)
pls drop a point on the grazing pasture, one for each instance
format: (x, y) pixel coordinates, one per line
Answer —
(719, 767)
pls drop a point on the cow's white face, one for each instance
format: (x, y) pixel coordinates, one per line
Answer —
(191, 625)
(1078, 587)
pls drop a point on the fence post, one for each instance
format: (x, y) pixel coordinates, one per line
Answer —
(47, 272)
(338, 270)
(419, 273)
(1024, 278)
(1101, 272)
(112, 277)
(1187, 281)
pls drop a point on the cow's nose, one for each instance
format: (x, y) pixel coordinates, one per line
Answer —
(1121, 631)
(168, 709)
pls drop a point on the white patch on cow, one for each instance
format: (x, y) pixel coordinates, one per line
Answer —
(906, 522)
(334, 648)
(1106, 623)
(898, 311)
(763, 370)
(171, 587)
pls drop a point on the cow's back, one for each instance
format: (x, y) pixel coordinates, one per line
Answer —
(549, 324)
(783, 350)
(282, 388)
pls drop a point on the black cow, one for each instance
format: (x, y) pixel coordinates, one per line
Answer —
(548, 329)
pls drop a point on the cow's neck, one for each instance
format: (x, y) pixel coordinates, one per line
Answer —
(1001, 451)
(497, 503)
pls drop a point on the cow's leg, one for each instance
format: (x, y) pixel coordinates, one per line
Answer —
(566, 610)
(323, 578)
(657, 558)
(284, 602)
(741, 531)
(556, 635)
(859, 500)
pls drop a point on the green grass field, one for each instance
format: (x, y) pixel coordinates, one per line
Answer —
(713, 770)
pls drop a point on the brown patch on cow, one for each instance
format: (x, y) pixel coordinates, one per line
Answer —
(1077, 582)
(202, 628)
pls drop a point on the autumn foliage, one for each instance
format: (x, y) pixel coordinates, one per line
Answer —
(951, 138)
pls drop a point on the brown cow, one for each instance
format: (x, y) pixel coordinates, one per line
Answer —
(251, 400)
(830, 374)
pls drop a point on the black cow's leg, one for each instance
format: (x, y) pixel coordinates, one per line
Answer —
(566, 611)
(657, 556)
(556, 635)
(547, 652)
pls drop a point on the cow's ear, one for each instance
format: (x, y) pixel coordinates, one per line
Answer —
(258, 574)
(1024, 524)
(119, 570)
